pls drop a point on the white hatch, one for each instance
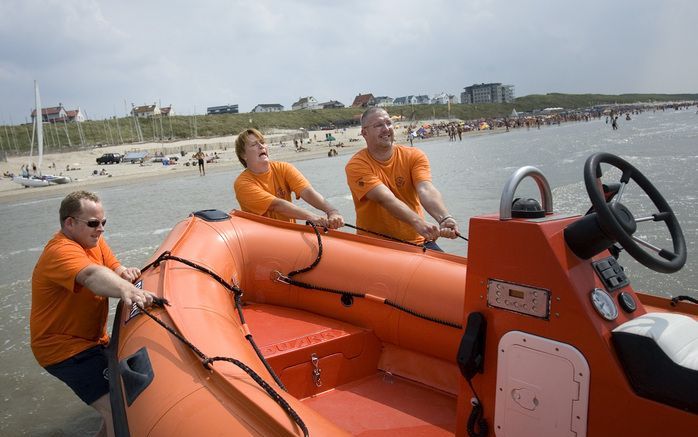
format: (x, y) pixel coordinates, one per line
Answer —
(542, 388)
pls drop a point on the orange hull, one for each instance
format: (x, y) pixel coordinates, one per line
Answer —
(381, 361)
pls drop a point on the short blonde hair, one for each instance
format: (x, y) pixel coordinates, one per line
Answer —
(72, 204)
(240, 143)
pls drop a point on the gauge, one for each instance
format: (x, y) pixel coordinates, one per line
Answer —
(604, 305)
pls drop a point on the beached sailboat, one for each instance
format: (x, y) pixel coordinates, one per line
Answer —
(272, 328)
(33, 177)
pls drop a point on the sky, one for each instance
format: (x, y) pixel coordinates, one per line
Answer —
(103, 56)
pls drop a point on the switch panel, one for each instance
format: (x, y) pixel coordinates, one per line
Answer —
(611, 273)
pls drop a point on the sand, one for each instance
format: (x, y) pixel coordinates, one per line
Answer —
(126, 173)
(280, 142)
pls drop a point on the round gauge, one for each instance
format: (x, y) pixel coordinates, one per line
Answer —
(604, 305)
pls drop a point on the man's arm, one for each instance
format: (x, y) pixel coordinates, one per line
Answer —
(314, 198)
(382, 195)
(105, 282)
(433, 203)
(288, 209)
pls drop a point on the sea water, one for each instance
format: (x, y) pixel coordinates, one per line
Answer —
(469, 173)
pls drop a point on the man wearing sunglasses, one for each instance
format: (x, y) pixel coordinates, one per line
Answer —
(72, 281)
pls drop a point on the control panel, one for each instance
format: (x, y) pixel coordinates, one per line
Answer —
(611, 273)
(519, 298)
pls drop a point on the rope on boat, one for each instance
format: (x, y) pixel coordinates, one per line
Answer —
(424, 248)
(677, 299)
(288, 279)
(389, 237)
(208, 361)
(237, 295)
(317, 258)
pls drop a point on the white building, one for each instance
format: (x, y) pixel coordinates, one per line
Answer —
(305, 103)
(268, 107)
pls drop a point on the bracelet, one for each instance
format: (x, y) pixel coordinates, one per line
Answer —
(445, 218)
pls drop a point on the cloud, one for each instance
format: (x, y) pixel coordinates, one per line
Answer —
(103, 56)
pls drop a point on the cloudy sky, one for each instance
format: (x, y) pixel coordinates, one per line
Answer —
(105, 55)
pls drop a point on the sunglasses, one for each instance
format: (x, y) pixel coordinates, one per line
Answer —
(92, 223)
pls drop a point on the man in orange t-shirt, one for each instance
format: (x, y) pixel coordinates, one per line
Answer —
(265, 186)
(391, 183)
(72, 281)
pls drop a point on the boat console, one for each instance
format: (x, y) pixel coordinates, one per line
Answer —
(570, 346)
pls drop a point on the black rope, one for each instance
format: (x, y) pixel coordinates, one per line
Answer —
(237, 296)
(250, 339)
(270, 391)
(206, 362)
(396, 239)
(422, 316)
(422, 246)
(289, 280)
(476, 419)
(677, 299)
(319, 253)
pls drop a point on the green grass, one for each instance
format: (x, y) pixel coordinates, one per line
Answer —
(59, 137)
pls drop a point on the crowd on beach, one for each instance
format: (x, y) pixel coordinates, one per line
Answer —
(455, 129)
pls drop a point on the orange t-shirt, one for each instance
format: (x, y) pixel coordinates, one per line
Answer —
(401, 173)
(67, 318)
(256, 192)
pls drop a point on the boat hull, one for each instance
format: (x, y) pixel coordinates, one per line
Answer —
(361, 337)
(30, 182)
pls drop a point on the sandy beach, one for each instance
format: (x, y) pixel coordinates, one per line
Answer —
(85, 165)
(84, 170)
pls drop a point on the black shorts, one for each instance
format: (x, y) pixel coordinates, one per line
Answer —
(201, 162)
(86, 373)
(433, 246)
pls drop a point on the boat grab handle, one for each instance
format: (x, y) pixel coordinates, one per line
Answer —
(513, 183)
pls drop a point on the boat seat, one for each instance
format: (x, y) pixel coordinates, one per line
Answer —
(289, 338)
(659, 352)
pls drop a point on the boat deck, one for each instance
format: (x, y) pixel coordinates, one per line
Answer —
(350, 390)
(383, 404)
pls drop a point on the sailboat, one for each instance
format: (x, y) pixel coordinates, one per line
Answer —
(35, 178)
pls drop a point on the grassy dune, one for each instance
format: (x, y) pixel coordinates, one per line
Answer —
(16, 139)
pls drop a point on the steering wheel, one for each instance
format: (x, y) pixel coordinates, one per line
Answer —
(619, 223)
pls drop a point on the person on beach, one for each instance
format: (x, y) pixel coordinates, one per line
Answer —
(265, 186)
(200, 156)
(390, 184)
(72, 281)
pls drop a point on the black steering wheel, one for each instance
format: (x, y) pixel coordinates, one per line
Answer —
(618, 223)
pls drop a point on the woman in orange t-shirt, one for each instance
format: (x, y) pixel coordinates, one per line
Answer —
(265, 186)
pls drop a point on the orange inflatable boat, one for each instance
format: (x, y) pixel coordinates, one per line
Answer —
(269, 328)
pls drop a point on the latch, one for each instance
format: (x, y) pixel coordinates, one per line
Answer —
(315, 361)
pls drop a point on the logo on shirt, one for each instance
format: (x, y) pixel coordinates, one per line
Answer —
(281, 193)
(399, 181)
(360, 182)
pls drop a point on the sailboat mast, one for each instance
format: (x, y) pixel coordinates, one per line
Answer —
(39, 125)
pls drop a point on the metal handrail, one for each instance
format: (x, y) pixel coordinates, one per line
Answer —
(512, 184)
